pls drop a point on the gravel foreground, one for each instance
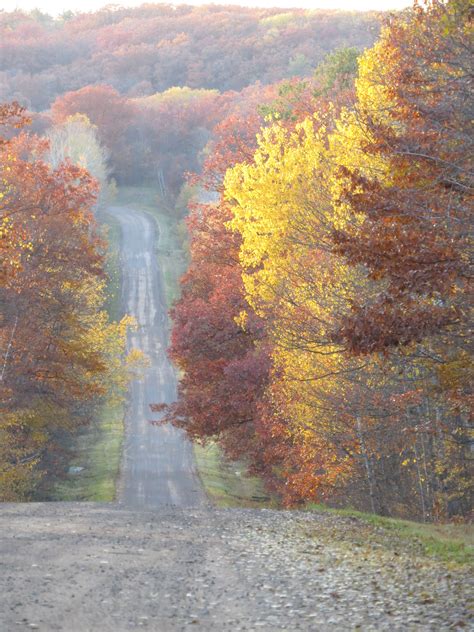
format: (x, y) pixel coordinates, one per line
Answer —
(84, 566)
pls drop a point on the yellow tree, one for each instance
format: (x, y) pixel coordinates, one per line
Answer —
(282, 206)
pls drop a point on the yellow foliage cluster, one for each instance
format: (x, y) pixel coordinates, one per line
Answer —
(285, 208)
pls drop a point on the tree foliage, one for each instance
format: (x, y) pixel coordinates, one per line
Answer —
(59, 352)
(76, 140)
(349, 214)
(149, 49)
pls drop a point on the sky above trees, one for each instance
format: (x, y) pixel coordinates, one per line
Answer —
(58, 6)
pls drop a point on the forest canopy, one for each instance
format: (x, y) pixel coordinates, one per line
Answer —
(144, 50)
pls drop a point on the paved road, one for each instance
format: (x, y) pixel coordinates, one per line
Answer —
(158, 464)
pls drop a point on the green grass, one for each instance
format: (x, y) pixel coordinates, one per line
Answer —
(136, 197)
(113, 235)
(226, 482)
(447, 542)
(97, 449)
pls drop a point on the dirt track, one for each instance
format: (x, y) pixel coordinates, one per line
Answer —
(163, 559)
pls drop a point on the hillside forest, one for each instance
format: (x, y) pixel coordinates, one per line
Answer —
(321, 162)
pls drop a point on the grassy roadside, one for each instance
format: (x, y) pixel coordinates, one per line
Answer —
(228, 486)
(226, 482)
(113, 304)
(97, 448)
(452, 543)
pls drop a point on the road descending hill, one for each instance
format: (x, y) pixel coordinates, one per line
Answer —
(163, 559)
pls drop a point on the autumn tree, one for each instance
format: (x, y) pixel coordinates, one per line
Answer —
(60, 353)
(410, 196)
(110, 113)
(354, 254)
(172, 128)
(76, 140)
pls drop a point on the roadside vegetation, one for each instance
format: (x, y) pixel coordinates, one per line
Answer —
(96, 450)
(62, 353)
(94, 468)
(451, 543)
(227, 483)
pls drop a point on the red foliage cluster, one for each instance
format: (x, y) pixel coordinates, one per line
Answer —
(148, 49)
(414, 232)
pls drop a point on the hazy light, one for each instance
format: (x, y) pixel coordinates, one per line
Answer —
(56, 7)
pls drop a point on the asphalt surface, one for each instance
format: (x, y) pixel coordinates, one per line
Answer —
(158, 467)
